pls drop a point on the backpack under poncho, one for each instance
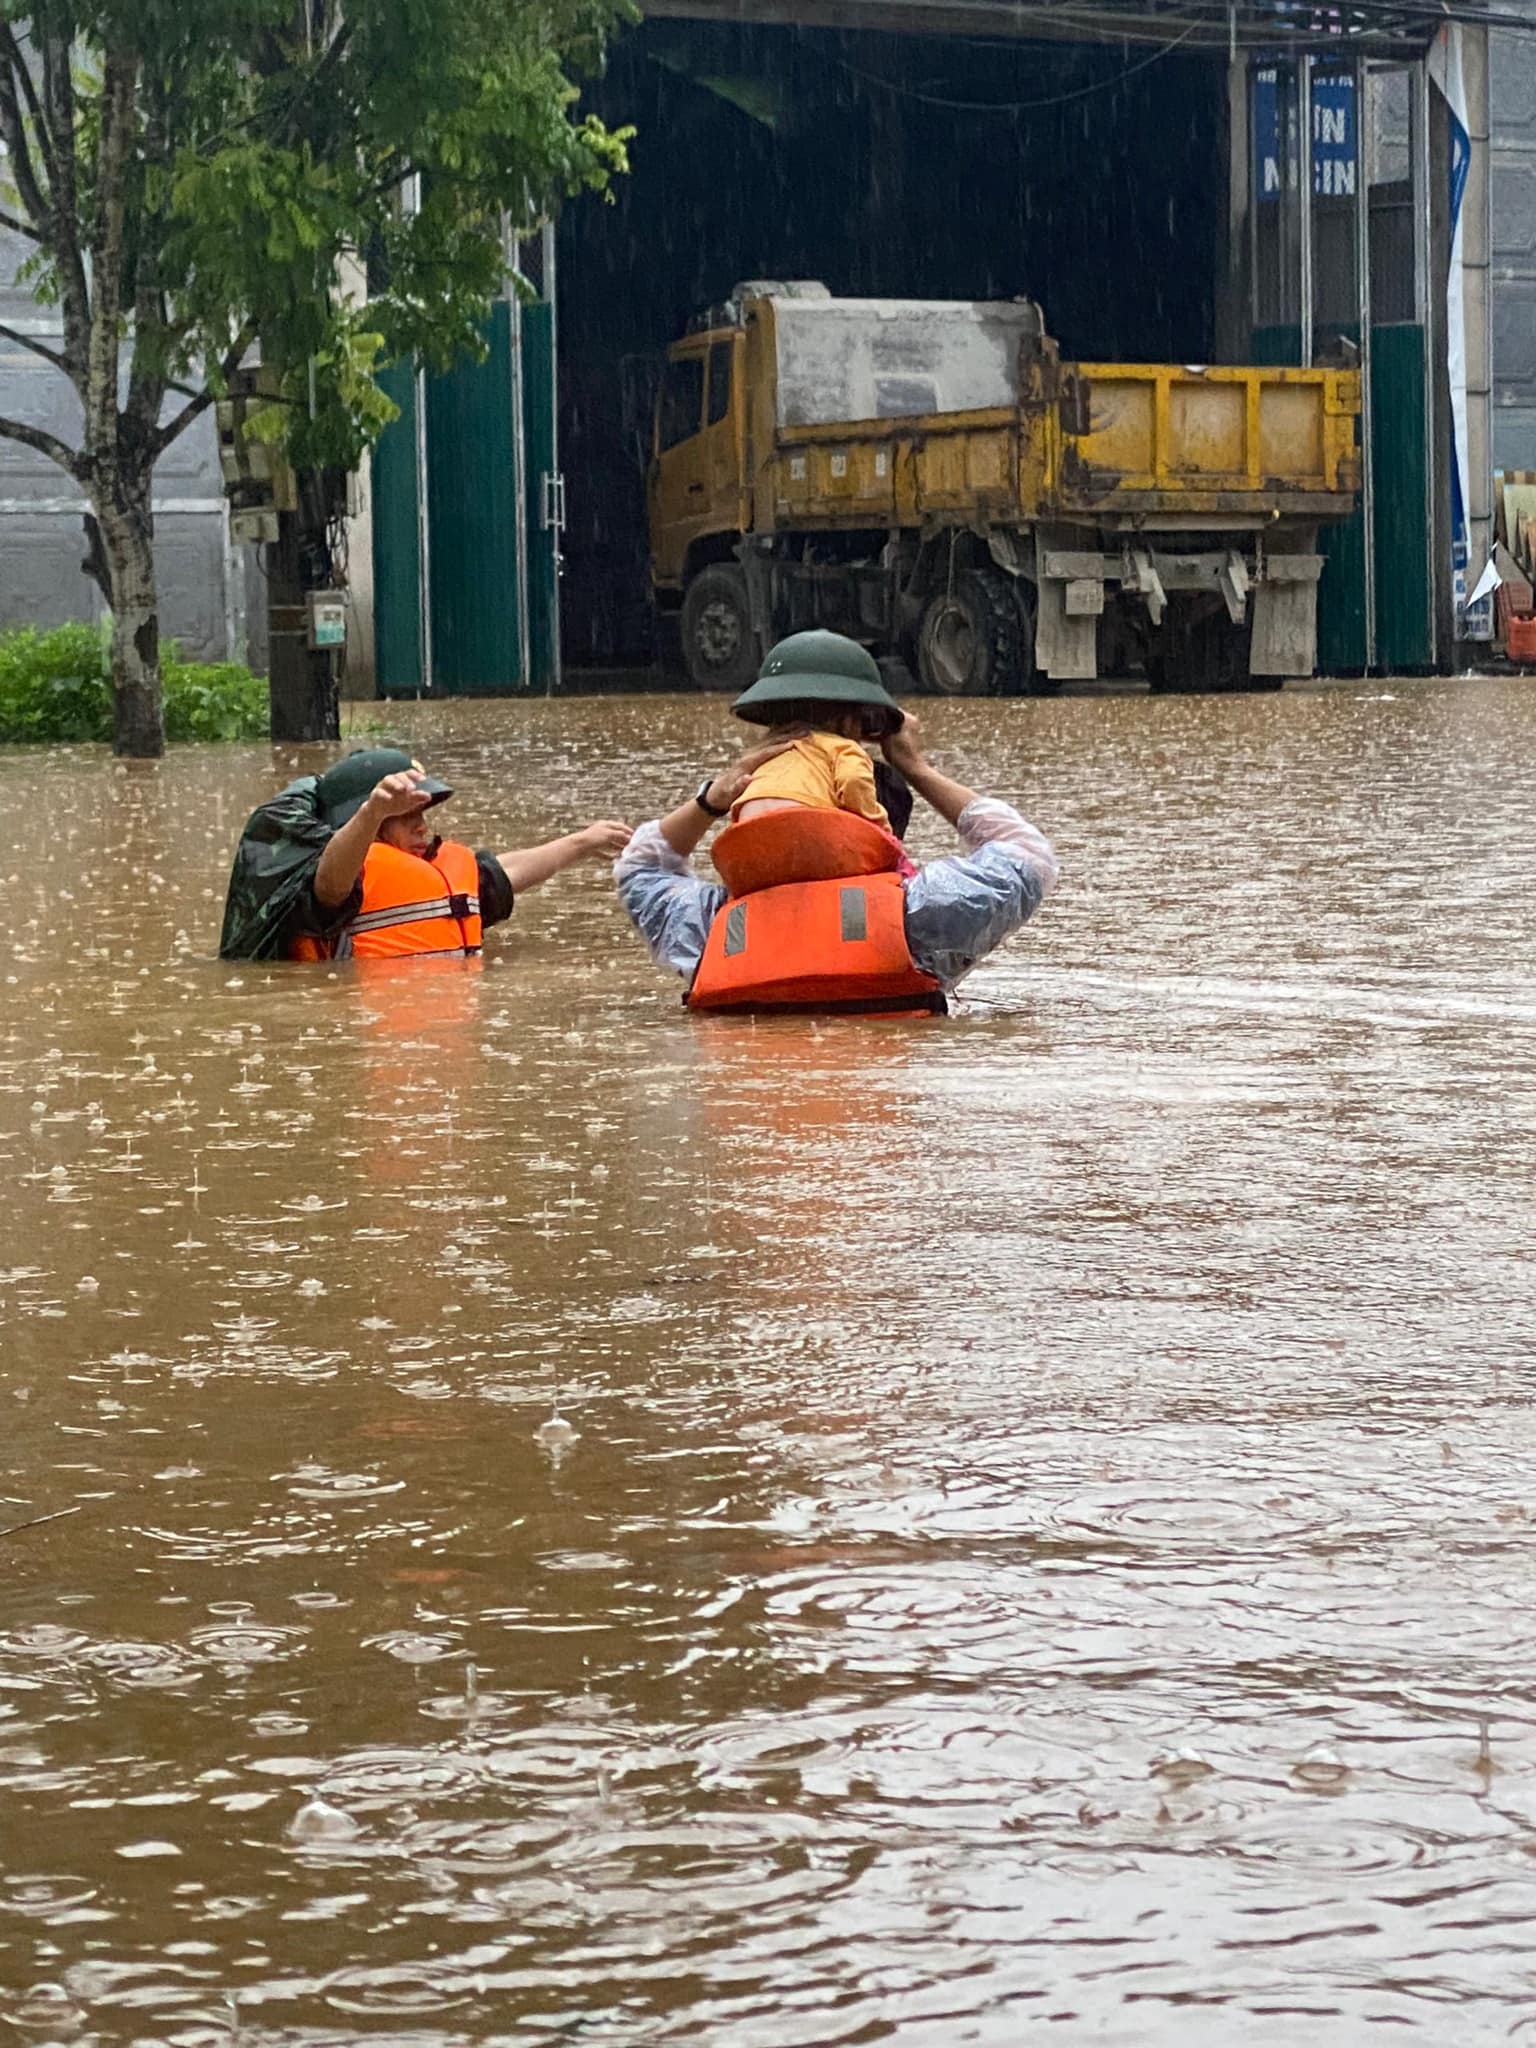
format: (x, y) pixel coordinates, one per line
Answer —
(275, 864)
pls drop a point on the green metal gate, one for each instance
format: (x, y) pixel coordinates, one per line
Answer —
(473, 523)
(398, 585)
(543, 500)
(466, 520)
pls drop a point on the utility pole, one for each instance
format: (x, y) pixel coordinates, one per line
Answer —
(304, 691)
(303, 677)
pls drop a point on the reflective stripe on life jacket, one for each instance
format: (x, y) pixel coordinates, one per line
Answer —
(839, 944)
(410, 905)
(815, 921)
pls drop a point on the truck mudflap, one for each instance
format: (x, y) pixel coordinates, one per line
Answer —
(1274, 593)
(1285, 617)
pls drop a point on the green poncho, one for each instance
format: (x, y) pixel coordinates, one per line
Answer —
(274, 870)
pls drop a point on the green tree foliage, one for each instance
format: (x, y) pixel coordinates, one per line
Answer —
(198, 176)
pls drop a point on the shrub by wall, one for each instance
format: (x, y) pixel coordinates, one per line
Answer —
(54, 688)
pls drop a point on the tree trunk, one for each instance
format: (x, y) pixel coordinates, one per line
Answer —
(305, 699)
(127, 540)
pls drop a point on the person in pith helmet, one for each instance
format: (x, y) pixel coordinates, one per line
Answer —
(347, 865)
(816, 909)
(830, 685)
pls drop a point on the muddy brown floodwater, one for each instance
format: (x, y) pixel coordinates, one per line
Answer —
(595, 1526)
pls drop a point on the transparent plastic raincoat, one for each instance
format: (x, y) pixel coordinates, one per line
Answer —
(957, 909)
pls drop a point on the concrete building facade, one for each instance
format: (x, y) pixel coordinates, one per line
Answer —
(212, 596)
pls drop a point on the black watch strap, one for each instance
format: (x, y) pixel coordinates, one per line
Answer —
(701, 798)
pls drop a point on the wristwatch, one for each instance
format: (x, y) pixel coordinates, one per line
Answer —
(701, 798)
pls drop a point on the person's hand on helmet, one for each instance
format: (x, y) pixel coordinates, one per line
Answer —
(397, 796)
(903, 748)
(730, 782)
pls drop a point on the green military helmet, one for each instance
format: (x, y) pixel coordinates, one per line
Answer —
(817, 668)
(342, 791)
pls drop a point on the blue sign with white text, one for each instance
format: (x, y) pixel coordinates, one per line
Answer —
(1335, 156)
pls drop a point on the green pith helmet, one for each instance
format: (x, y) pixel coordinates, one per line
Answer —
(342, 791)
(817, 668)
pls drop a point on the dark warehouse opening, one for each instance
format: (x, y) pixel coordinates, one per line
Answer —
(1091, 178)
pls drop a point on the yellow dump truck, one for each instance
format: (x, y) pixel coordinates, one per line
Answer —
(932, 479)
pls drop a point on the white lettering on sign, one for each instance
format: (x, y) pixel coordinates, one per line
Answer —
(839, 465)
(797, 469)
(1332, 177)
(881, 462)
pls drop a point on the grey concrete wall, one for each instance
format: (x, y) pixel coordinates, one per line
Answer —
(206, 585)
(1512, 67)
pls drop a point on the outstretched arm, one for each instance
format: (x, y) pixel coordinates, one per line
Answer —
(527, 868)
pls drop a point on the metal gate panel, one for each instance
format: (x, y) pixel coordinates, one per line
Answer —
(397, 567)
(543, 496)
(473, 511)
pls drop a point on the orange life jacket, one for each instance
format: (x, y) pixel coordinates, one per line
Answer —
(410, 905)
(815, 920)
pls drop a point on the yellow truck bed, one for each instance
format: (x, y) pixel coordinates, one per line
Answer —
(1161, 438)
(1155, 440)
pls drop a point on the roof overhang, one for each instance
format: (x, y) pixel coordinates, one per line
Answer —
(1372, 28)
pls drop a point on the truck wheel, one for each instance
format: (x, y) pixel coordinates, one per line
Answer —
(1234, 647)
(1026, 680)
(971, 639)
(719, 652)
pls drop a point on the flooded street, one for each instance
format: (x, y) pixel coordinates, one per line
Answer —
(595, 1525)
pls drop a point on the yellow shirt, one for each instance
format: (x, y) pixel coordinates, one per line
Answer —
(823, 772)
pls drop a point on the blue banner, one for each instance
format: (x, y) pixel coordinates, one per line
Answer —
(1334, 155)
(1335, 121)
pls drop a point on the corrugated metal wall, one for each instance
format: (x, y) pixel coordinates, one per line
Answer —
(206, 586)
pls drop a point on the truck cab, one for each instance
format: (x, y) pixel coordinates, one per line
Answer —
(697, 456)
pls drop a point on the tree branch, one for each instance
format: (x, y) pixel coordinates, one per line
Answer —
(13, 132)
(53, 231)
(43, 443)
(18, 226)
(59, 91)
(200, 402)
(153, 335)
(13, 55)
(333, 55)
(30, 341)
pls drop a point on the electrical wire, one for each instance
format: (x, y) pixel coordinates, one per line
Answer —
(1058, 99)
(1408, 18)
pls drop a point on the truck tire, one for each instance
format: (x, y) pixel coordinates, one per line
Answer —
(719, 651)
(1026, 680)
(971, 640)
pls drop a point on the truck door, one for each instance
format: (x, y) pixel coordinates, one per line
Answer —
(723, 422)
(680, 468)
